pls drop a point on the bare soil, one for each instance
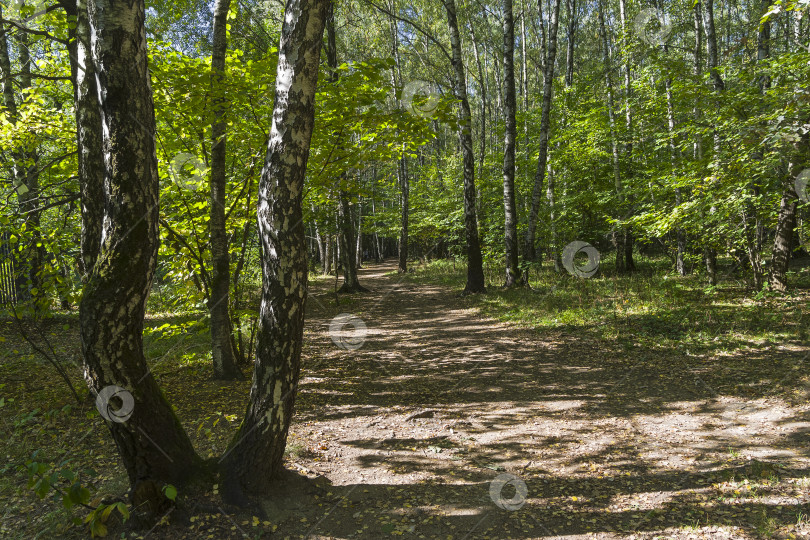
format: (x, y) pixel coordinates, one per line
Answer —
(412, 427)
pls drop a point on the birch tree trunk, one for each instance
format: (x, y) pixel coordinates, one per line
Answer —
(256, 453)
(524, 80)
(327, 262)
(510, 134)
(483, 87)
(153, 446)
(545, 122)
(697, 152)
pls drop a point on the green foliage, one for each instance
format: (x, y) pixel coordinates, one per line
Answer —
(97, 519)
(46, 477)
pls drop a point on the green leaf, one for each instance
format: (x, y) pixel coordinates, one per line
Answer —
(170, 491)
(105, 515)
(122, 508)
(97, 528)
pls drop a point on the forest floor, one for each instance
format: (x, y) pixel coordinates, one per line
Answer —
(410, 428)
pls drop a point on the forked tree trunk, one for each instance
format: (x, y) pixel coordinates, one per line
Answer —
(571, 29)
(510, 134)
(629, 239)
(153, 446)
(256, 452)
(221, 348)
(551, 184)
(475, 267)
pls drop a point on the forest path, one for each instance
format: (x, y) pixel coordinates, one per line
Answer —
(414, 419)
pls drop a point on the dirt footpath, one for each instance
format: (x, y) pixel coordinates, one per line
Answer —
(424, 420)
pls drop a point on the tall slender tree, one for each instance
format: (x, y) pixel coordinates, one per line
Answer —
(617, 233)
(88, 136)
(256, 453)
(753, 230)
(25, 171)
(402, 164)
(680, 235)
(510, 135)
(346, 230)
(222, 352)
(475, 265)
(629, 263)
(550, 59)
(710, 251)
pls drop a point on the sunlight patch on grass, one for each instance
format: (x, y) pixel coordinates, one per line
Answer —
(648, 308)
